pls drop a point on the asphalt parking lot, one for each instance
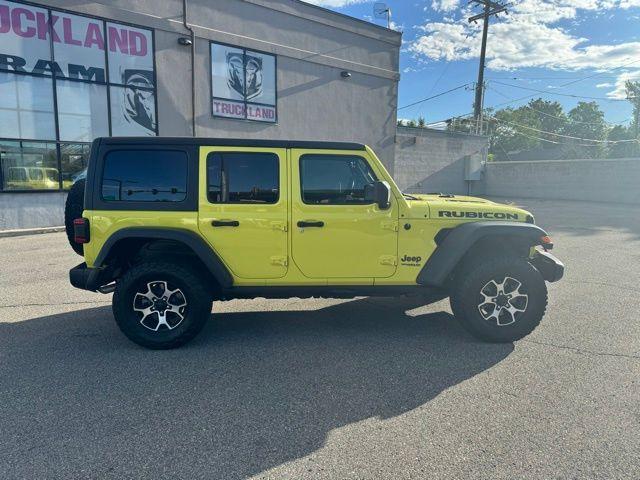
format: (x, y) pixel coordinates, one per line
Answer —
(363, 389)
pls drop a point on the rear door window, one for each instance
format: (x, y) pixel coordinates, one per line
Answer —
(243, 177)
(145, 176)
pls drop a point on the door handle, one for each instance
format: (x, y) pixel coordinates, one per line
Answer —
(225, 223)
(310, 223)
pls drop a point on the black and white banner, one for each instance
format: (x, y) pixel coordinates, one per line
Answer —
(243, 83)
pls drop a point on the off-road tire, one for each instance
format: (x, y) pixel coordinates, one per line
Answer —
(466, 298)
(179, 276)
(73, 209)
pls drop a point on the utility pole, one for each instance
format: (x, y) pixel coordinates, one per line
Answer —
(490, 9)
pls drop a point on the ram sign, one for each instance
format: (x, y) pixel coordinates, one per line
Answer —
(243, 83)
(48, 43)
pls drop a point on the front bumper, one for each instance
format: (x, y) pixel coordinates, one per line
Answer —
(87, 278)
(548, 265)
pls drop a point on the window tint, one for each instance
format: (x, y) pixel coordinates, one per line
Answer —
(242, 178)
(334, 179)
(145, 176)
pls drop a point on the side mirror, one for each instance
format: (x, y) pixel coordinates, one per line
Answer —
(378, 193)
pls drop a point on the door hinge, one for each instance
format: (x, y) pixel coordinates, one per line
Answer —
(279, 226)
(388, 260)
(393, 226)
(280, 260)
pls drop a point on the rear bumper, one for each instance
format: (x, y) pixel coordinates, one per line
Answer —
(548, 265)
(87, 278)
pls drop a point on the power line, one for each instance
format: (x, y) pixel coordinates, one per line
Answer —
(561, 135)
(434, 96)
(598, 74)
(560, 94)
(555, 116)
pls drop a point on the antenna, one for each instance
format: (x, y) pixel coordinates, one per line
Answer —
(381, 10)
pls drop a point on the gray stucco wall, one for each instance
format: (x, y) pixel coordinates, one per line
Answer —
(434, 160)
(313, 46)
(614, 180)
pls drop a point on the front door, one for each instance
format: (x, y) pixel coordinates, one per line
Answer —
(243, 208)
(336, 233)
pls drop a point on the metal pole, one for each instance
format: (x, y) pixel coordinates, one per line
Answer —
(477, 107)
(193, 65)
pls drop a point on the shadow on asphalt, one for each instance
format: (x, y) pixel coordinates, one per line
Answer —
(253, 391)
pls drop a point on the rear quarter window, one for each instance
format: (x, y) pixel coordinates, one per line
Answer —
(144, 176)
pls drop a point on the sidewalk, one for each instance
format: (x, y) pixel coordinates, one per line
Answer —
(29, 231)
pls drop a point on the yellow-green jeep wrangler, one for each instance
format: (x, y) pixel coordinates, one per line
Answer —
(171, 224)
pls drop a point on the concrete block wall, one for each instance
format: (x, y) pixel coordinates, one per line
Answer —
(429, 160)
(602, 180)
(31, 210)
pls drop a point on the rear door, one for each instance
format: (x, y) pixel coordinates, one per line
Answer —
(335, 232)
(243, 208)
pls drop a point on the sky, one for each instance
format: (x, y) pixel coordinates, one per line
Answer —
(554, 49)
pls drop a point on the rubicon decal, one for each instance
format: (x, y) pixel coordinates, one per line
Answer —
(489, 215)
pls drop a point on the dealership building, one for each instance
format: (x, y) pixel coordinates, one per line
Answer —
(271, 69)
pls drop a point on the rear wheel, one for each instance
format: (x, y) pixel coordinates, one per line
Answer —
(161, 305)
(499, 299)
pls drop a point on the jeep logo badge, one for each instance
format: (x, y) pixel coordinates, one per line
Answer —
(411, 261)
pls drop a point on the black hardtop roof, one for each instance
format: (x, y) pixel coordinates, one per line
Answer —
(230, 142)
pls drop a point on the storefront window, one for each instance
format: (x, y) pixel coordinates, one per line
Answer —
(132, 111)
(82, 111)
(74, 158)
(29, 166)
(26, 107)
(54, 87)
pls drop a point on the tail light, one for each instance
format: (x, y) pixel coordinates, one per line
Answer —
(81, 230)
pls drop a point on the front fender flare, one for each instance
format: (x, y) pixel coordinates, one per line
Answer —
(202, 249)
(460, 239)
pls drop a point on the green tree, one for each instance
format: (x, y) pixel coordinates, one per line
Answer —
(421, 121)
(511, 131)
(620, 149)
(400, 122)
(586, 122)
(632, 90)
(551, 118)
(411, 123)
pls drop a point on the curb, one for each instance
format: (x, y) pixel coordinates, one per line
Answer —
(29, 231)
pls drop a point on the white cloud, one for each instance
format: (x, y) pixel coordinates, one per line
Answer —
(619, 91)
(447, 5)
(527, 37)
(334, 3)
(605, 85)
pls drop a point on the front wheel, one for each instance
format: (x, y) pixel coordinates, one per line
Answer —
(499, 299)
(161, 305)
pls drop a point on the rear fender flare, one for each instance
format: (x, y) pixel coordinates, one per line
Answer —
(192, 240)
(460, 239)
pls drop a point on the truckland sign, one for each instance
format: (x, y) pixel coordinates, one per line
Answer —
(243, 84)
(47, 42)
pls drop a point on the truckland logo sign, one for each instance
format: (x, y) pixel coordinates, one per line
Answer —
(28, 33)
(243, 83)
(247, 82)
